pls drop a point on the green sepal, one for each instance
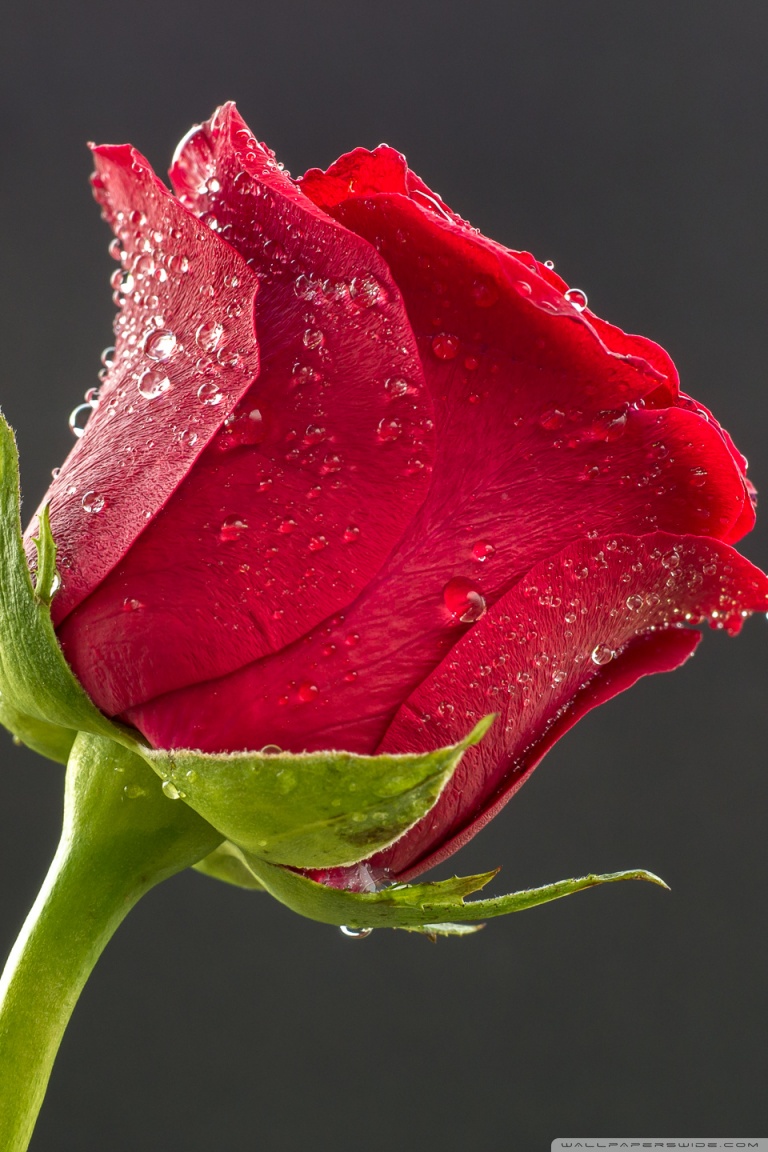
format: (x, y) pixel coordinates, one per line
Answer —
(42, 702)
(49, 740)
(312, 809)
(416, 905)
(226, 864)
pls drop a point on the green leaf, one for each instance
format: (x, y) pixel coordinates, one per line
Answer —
(48, 739)
(312, 809)
(416, 905)
(42, 702)
(225, 864)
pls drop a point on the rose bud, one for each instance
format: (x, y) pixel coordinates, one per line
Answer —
(356, 478)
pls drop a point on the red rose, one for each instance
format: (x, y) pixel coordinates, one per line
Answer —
(358, 475)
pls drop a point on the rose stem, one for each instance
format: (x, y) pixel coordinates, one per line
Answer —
(120, 837)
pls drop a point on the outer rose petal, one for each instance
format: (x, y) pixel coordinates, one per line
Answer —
(139, 445)
(579, 629)
(306, 488)
(357, 180)
(357, 683)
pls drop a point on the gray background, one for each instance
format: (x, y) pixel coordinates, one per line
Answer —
(628, 143)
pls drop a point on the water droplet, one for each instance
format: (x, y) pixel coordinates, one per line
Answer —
(634, 603)
(445, 346)
(577, 298)
(78, 418)
(287, 526)
(602, 654)
(355, 933)
(313, 338)
(397, 386)
(131, 605)
(208, 335)
(351, 533)
(122, 281)
(160, 345)
(464, 600)
(484, 292)
(482, 551)
(108, 356)
(171, 791)
(552, 418)
(308, 692)
(115, 249)
(366, 291)
(188, 436)
(134, 791)
(389, 430)
(153, 383)
(92, 502)
(210, 393)
(317, 543)
(671, 560)
(227, 355)
(55, 472)
(270, 750)
(232, 528)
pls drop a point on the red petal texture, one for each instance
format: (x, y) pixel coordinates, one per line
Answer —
(137, 448)
(307, 487)
(577, 630)
(438, 485)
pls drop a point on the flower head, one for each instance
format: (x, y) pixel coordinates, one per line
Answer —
(359, 476)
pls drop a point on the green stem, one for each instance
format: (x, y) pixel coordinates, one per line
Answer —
(121, 836)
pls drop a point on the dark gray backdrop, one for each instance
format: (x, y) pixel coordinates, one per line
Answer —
(628, 143)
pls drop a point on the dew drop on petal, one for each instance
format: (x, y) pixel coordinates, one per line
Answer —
(445, 346)
(131, 605)
(366, 291)
(92, 502)
(78, 418)
(308, 692)
(153, 383)
(389, 430)
(464, 600)
(602, 654)
(210, 393)
(208, 335)
(160, 345)
(577, 298)
(351, 533)
(635, 603)
(552, 418)
(232, 528)
(484, 292)
(482, 551)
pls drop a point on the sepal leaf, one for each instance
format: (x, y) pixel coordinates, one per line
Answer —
(225, 863)
(42, 702)
(416, 905)
(312, 809)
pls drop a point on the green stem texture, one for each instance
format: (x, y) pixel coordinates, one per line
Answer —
(121, 836)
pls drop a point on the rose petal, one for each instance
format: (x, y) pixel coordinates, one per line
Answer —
(306, 489)
(343, 695)
(544, 655)
(139, 444)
